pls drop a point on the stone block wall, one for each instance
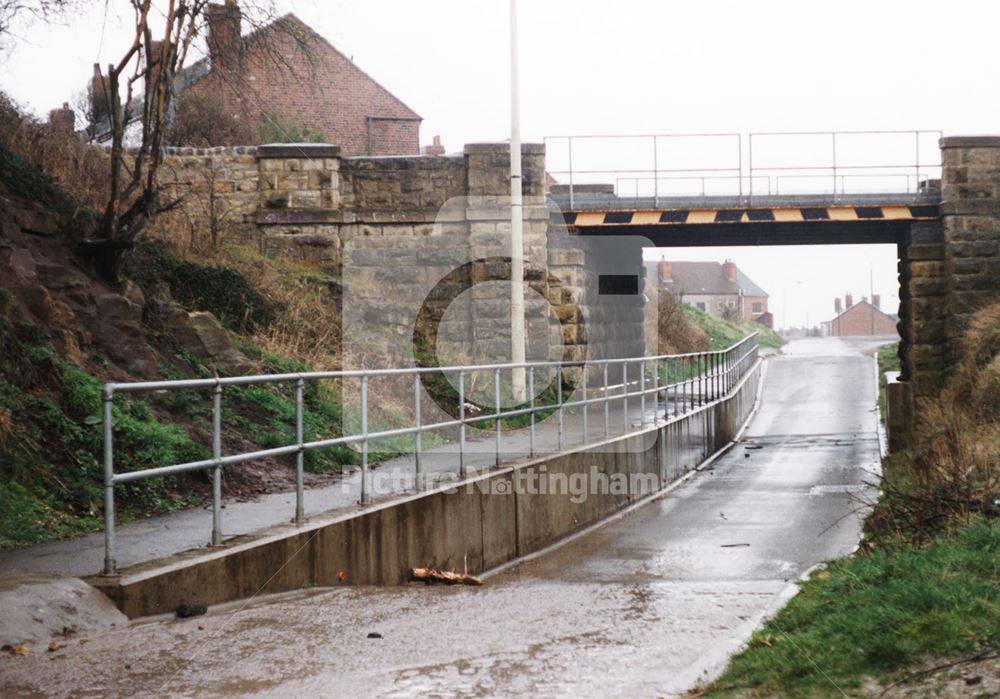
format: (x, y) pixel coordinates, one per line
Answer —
(219, 186)
(401, 223)
(970, 211)
(951, 268)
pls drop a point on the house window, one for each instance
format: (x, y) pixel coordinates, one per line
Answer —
(700, 305)
(758, 307)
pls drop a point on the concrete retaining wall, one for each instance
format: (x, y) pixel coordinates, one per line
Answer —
(475, 525)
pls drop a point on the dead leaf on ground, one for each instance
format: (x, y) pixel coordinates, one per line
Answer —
(20, 650)
(55, 645)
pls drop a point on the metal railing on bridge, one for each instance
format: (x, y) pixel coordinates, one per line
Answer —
(662, 166)
(676, 385)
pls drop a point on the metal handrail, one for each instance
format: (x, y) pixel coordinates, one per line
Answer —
(698, 379)
(746, 170)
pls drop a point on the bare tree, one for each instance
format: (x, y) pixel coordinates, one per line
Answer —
(139, 89)
(14, 10)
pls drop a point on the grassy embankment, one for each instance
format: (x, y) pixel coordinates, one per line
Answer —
(923, 591)
(723, 333)
(50, 432)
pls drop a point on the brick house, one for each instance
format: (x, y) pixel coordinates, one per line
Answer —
(714, 288)
(864, 319)
(287, 70)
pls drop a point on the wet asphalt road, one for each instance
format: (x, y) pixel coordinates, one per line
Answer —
(645, 606)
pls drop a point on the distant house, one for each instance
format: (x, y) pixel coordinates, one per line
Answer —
(859, 319)
(715, 288)
(286, 72)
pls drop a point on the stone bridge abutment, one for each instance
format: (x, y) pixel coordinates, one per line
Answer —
(396, 215)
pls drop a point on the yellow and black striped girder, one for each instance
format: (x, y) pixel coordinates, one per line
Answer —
(785, 214)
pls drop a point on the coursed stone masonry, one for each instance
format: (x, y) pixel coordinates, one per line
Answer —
(394, 214)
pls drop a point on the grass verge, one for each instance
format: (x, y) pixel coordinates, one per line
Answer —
(873, 615)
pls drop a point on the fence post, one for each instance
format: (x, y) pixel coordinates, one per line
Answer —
(656, 390)
(677, 388)
(642, 393)
(300, 507)
(364, 439)
(496, 397)
(461, 424)
(586, 405)
(531, 414)
(417, 436)
(607, 424)
(559, 402)
(109, 483)
(625, 396)
(217, 468)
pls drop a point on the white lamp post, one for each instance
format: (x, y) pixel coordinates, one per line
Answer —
(517, 349)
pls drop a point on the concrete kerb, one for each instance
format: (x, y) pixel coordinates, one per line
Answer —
(456, 526)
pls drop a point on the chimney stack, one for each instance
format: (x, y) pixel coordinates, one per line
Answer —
(62, 120)
(99, 95)
(434, 149)
(224, 27)
(664, 271)
(848, 300)
(837, 307)
(877, 301)
(729, 269)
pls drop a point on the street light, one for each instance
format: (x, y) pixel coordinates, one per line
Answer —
(517, 350)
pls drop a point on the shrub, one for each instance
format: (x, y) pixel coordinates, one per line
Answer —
(202, 121)
(220, 290)
(273, 128)
(952, 471)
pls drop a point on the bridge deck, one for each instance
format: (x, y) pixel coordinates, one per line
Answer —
(760, 220)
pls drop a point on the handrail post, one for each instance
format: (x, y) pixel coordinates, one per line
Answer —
(833, 135)
(656, 175)
(559, 402)
(461, 424)
(364, 439)
(677, 393)
(300, 507)
(656, 389)
(642, 393)
(625, 396)
(496, 396)
(703, 378)
(109, 483)
(418, 435)
(569, 148)
(531, 414)
(607, 398)
(217, 468)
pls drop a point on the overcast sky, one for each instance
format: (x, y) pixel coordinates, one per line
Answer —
(638, 66)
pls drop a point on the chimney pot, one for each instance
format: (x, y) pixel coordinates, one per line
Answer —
(877, 301)
(848, 300)
(838, 306)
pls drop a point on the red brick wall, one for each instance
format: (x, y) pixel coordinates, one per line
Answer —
(323, 91)
(748, 301)
(857, 320)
